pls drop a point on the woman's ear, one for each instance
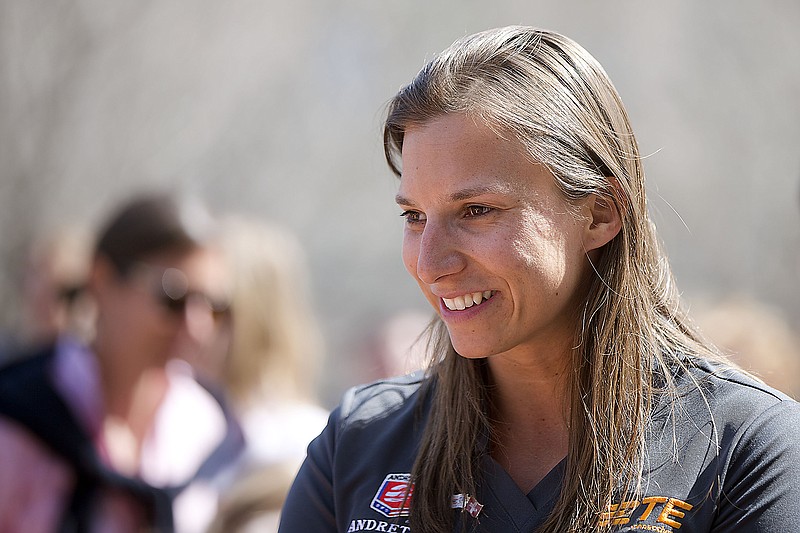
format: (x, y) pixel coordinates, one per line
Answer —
(603, 222)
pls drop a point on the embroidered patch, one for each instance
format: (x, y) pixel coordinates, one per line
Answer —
(394, 496)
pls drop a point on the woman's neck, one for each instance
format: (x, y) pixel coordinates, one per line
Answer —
(530, 402)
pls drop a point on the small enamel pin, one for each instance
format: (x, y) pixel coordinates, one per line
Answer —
(467, 504)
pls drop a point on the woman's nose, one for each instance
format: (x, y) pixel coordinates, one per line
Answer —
(438, 254)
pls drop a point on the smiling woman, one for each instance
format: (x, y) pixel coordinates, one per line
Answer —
(566, 390)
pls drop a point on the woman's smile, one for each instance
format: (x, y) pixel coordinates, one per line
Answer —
(459, 303)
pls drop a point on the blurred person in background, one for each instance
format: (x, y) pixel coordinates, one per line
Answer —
(106, 436)
(757, 337)
(54, 301)
(268, 371)
(252, 502)
(396, 346)
(567, 389)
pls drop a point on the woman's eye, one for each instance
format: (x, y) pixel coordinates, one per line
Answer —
(477, 210)
(413, 217)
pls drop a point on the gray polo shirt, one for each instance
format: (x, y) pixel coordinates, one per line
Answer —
(738, 470)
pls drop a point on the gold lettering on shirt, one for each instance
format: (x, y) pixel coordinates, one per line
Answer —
(619, 513)
(665, 510)
(651, 502)
(669, 511)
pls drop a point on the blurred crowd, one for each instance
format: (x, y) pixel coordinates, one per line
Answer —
(165, 369)
(162, 376)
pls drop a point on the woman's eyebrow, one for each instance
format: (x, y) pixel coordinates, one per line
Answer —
(472, 192)
(465, 194)
(402, 200)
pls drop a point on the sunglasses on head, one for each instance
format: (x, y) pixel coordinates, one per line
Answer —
(171, 289)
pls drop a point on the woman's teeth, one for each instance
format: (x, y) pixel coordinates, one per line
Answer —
(459, 303)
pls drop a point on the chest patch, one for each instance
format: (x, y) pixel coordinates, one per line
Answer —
(394, 496)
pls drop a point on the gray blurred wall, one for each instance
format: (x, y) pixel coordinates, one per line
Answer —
(274, 109)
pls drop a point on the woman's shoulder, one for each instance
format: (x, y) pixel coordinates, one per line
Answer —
(362, 460)
(727, 384)
(381, 398)
(757, 430)
(715, 392)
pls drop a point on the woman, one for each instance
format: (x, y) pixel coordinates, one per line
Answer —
(567, 391)
(268, 371)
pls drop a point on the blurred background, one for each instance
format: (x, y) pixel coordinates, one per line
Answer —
(274, 109)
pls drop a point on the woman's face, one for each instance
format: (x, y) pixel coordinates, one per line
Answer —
(491, 240)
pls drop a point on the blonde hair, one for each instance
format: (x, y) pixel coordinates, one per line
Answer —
(276, 342)
(545, 91)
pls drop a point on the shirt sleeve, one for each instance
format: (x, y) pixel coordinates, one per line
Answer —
(761, 487)
(310, 503)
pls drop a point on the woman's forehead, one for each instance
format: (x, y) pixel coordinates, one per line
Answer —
(463, 158)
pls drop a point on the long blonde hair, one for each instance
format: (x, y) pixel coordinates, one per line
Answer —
(276, 342)
(550, 94)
